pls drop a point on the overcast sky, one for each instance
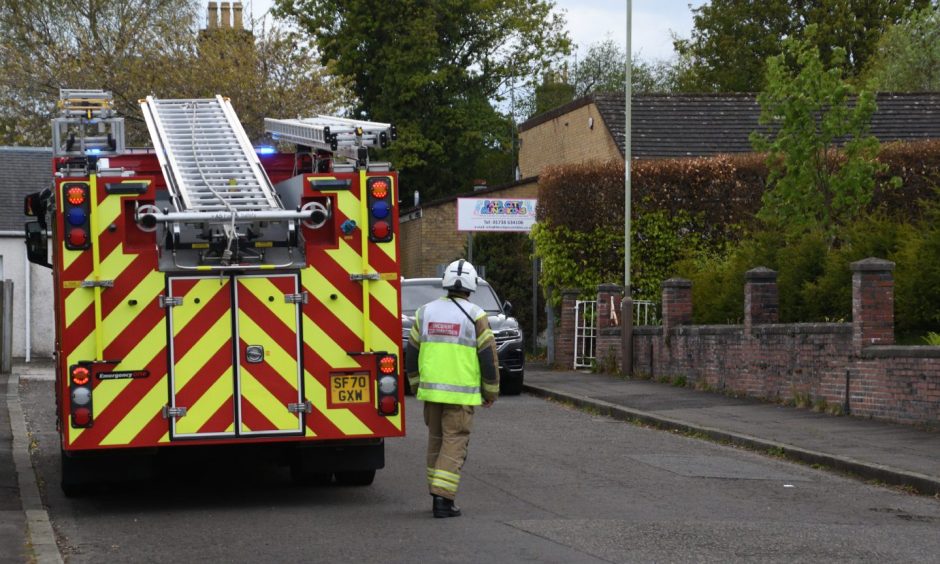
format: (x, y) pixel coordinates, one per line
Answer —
(590, 21)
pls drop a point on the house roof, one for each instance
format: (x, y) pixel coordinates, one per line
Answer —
(681, 125)
(23, 170)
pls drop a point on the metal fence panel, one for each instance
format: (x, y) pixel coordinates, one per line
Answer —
(585, 327)
(585, 333)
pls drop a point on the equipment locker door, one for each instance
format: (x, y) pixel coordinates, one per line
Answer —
(268, 355)
(202, 398)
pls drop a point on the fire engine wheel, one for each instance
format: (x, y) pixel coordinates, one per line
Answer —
(303, 477)
(74, 476)
(355, 478)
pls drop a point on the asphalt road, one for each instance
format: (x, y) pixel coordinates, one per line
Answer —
(543, 483)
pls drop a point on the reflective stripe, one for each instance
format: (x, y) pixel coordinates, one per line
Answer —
(445, 480)
(493, 388)
(449, 388)
(484, 338)
(445, 475)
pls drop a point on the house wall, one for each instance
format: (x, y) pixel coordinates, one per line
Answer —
(37, 296)
(429, 235)
(572, 138)
(852, 368)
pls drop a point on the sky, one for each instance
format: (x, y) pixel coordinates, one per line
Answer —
(590, 21)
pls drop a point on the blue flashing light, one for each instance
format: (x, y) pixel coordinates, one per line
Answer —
(76, 216)
(380, 209)
(265, 150)
(93, 151)
(348, 227)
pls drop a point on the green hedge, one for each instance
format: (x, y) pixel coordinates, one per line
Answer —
(695, 218)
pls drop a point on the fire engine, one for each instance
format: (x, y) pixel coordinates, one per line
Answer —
(211, 293)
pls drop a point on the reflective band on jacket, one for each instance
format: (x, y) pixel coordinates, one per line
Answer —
(450, 388)
(447, 363)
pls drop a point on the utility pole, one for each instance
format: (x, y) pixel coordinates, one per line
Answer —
(626, 305)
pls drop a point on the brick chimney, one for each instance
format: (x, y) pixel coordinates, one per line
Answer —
(237, 15)
(226, 21)
(212, 16)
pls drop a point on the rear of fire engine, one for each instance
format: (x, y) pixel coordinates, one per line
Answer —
(208, 296)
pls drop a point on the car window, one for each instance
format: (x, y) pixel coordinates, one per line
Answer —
(485, 297)
(415, 295)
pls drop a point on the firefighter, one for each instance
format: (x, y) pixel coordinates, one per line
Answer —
(452, 365)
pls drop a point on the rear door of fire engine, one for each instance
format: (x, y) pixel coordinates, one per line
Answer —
(235, 365)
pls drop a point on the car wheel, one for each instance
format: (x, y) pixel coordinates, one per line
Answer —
(511, 387)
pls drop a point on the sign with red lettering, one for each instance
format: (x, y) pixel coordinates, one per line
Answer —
(444, 329)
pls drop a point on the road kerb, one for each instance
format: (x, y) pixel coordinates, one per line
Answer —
(38, 526)
(922, 483)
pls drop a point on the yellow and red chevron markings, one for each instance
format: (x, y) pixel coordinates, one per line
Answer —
(196, 354)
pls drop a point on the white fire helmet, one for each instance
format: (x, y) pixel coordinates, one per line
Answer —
(460, 275)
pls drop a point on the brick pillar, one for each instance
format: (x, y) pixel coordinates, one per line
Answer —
(677, 303)
(608, 300)
(564, 338)
(761, 298)
(609, 326)
(872, 303)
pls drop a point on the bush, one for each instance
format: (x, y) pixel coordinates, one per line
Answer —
(695, 218)
(507, 258)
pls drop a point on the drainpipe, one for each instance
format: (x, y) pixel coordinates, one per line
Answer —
(28, 289)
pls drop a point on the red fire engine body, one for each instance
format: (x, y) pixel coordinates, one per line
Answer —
(206, 294)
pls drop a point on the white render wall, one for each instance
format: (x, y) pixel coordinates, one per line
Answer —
(38, 297)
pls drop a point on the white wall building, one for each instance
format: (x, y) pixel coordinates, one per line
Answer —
(24, 170)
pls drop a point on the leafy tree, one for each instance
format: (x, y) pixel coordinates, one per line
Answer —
(602, 69)
(507, 258)
(268, 75)
(732, 39)
(908, 55)
(45, 46)
(812, 185)
(434, 69)
(140, 47)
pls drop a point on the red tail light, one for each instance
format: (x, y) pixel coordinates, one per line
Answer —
(80, 375)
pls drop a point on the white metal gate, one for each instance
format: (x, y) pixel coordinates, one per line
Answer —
(585, 327)
(585, 333)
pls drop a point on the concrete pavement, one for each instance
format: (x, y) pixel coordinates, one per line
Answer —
(895, 454)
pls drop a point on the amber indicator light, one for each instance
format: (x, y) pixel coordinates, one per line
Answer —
(75, 195)
(379, 189)
(387, 364)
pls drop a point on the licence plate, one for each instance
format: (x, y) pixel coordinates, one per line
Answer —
(350, 388)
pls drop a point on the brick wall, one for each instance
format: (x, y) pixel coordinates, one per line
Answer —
(572, 138)
(849, 367)
(564, 336)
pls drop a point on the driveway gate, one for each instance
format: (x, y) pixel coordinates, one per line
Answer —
(585, 333)
(585, 327)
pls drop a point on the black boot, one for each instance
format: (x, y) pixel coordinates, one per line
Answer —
(444, 507)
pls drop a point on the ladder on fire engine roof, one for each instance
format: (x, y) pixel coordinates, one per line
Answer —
(207, 159)
(339, 136)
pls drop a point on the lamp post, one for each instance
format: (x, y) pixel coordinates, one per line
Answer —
(626, 305)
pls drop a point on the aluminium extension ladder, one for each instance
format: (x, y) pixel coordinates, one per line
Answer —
(210, 165)
(339, 136)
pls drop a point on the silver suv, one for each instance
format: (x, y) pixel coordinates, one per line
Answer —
(510, 344)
